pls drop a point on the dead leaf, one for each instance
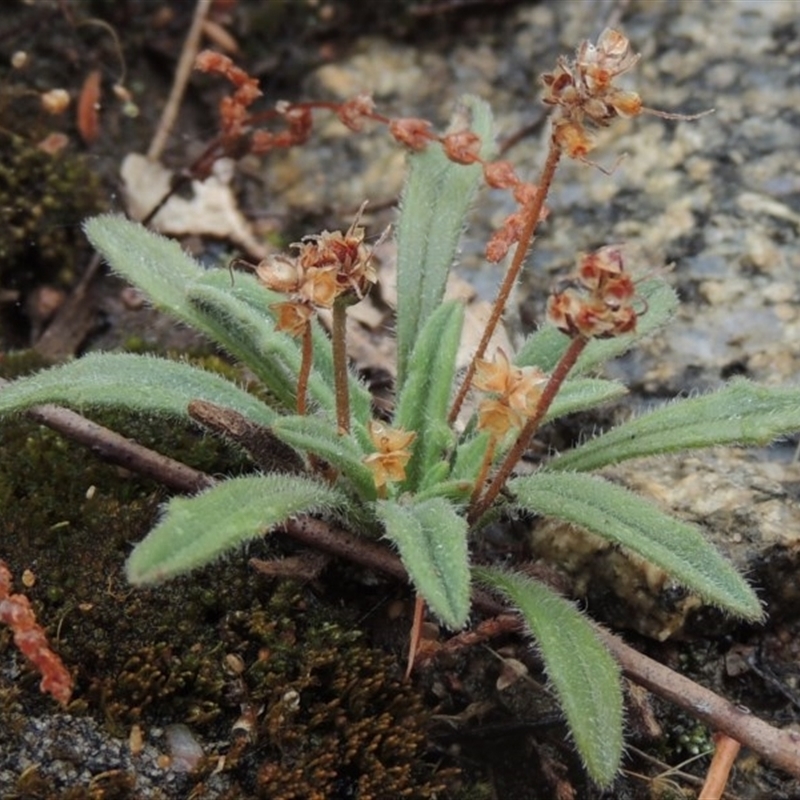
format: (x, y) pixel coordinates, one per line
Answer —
(88, 119)
(211, 211)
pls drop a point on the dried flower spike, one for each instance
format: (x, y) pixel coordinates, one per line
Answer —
(584, 91)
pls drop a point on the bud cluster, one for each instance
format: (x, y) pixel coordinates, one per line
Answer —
(327, 266)
(516, 391)
(584, 91)
(597, 300)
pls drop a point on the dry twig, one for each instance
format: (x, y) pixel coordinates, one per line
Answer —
(182, 73)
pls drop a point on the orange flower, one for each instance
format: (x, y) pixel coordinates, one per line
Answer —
(319, 287)
(498, 418)
(293, 316)
(519, 389)
(389, 462)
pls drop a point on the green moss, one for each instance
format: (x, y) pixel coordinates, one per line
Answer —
(43, 198)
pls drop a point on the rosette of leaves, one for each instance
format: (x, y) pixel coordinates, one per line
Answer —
(424, 515)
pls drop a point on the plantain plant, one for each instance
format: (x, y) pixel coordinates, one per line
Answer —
(433, 475)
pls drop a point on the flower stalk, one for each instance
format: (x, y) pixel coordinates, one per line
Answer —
(558, 376)
(532, 217)
(305, 369)
(340, 375)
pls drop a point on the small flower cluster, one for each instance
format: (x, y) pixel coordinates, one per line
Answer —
(30, 638)
(327, 266)
(597, 301)
(517, 391)
(391, 444)
(584, 91)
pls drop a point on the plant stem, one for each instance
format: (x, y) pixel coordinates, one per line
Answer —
(486, 465)
(549, 393)
(533, 212)
(305, 370)
(340, 375)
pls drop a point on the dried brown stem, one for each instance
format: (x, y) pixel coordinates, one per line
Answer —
(780, 747)
(305, 369)
(513, 456)
(110, 446)
(182, 73)
(533, 213)
(340, 374)
(486, 465)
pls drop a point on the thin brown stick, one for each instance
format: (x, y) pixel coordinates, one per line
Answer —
(116, 449)
(533, 212)
(182, 73)
(780, 747)
(725, 752)
(415, 635)
(513, 456)
(71, 324)
(305, 369)
(340, 373)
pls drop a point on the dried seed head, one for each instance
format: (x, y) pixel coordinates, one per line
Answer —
(584, 91)
(354, 112)
(412, 132)
(598, 300)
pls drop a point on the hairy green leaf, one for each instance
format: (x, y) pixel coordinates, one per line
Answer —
(740, 413)
(156, 265)
(197, 530)
(424, 398)
(580, 394)
(319, 436)
(432, 540)
(469, 456)
(138, 383)
(433, 207)
(545, 347)
(584, 675)
(621, 516)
